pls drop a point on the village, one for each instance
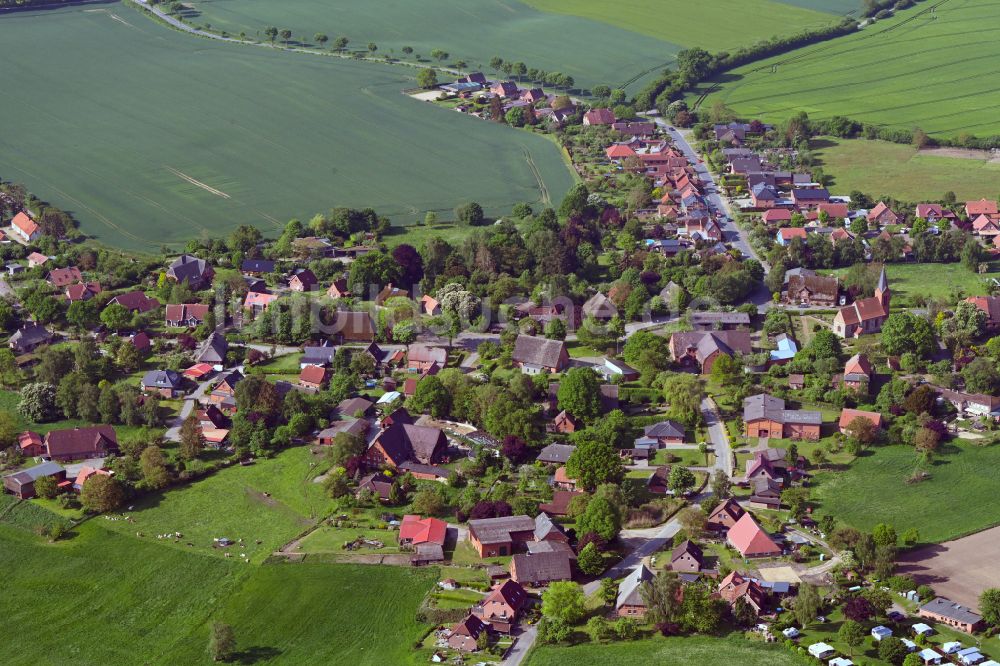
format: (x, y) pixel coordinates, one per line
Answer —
(609, 419)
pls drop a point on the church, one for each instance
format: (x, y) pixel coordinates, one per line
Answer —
(865, 315)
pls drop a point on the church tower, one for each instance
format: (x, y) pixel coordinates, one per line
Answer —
(882, 291)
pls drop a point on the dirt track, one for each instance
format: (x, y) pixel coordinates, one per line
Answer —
(959, 570)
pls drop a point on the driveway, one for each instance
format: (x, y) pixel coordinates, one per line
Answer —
(516, 654)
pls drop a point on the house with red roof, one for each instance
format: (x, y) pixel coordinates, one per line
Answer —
(776, 216)
(60, 277)
(135, 301)
(834, 210)
(935, 212)
(505, 89)
(991, 306)
(415, 530)
(465, 635)
(36, 259)
(750, 539)
(31, 444)
(338, 289)
(787, 234)
(25, 228)
(734, 587)
(313, 377)
(840, 234)
(257, 302)
(848, 415)
(857, 373)
(986, 227)
(186, 314)
(974, 209)
(599, 117)
(881, 215)
(865, 315)
(82, 291)
(502, 607)
(617, 152)
(725, 515)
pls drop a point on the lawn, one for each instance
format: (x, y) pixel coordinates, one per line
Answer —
(115, 599)
(163, 137)
(958, 499)
(716, 26)
(589, 50)
(693, 651)
(901, 171)
(272, 501)
(328, 539)
(936, 281)
(880, 74)
(688, 457)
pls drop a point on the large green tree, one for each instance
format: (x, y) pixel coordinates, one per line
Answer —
(580, 393)
(906, 332)
(594, 461)
(601, 517)
(564, 602)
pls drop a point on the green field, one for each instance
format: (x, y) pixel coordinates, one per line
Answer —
(929, 68)
(107, 598)
(590, 51)
(716, 25)
(958, 499)
(932, 280)
(232, 504)
(900, 171)
(163, 137)
(694, 651)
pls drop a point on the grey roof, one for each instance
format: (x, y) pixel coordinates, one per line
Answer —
(257, 266)
(556, 453)
(664, 429)
(689, 547)
(36, 472)
(186, 267)
(550, 547)
(628, 589)
(30, 334)
(764, 406)
(544, 527)
(213, 349)
(706, 342)
(598, 306)
(542, 352)
(161, 379)
(948, 608)
(728, 318)
(497, 530)
(317, 355)
(542, 567)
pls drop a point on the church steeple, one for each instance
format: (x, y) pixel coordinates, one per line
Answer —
(882, 290)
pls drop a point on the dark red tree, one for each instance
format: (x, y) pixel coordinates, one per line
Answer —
(411, 262)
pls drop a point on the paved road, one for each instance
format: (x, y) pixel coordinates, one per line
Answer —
(644, 543)
(191, 400)
(732, 233)
(720, 438)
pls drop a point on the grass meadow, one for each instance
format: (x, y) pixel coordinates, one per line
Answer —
(103, 597)
(932, 280)
(932, 68)
(692, 651)
(957, 499)
(903, 172)
(161, 137)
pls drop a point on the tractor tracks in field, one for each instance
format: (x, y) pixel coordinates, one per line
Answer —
(543, 189)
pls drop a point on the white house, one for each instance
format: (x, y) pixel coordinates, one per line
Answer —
(841, 661)
(880, 632)
(921, 629)
(951, 647)
(970, 656)
(929, 656)
(26, 228)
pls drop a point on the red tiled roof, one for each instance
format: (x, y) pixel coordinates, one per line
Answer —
(24, 223)
(750, 539)
(848, 415)
(776, 215)
(788, 233)
(981, 207)
(422, 530)
(619, 151)
(60, 277)
(313, 374)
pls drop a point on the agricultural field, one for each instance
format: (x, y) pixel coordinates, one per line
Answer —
(716, 26)
(901, 171)
(933, 280)
(693, 651)
(115, 599)
(882, 74)
(272, 502)
(163, 137)
(875, 490)
(591, 51)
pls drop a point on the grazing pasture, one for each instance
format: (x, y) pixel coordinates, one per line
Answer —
(163, 137)
(114, 599)
(272, 501)
(932, 280)
(901, 171)
(692, 651)
(932, 66)
(956, 500)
